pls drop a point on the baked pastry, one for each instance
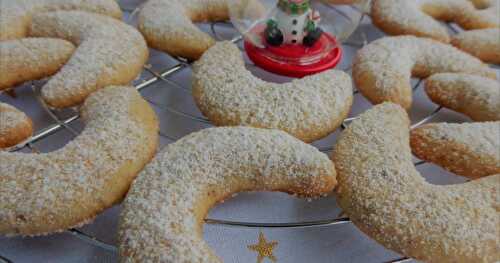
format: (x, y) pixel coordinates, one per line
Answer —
(51, 192)
(419, 18)
(481, 43)
(386, 197)
(168, 25)
(382, 69)
(229, 95)
(474, 96)
(31, 58)
(164, 211)
(109, 52)
(15, 126)
(486, 13)
(16, 14)
(468, 149)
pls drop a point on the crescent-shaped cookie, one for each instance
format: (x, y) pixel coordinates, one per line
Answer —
(382, 69)
(420, 17)
(386, 197)
(474, 96)
(481, 43)
(468, 149)
(17, 14)
(164, 211)
(15, 126)
(109, 52)
(31, 58)
(50, 192)
(168, 25)
(229, 95)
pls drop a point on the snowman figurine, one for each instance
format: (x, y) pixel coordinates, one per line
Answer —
(293, 23)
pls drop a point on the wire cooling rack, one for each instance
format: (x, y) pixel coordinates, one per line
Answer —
(152, 75)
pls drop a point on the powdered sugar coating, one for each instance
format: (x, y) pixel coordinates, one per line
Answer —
(163, 213)
(384, 195)
(485, 15)
(419, 17)
(9, 117)
(468, 149)
(50, 192)
(168, 25)
(31, 58)
(481, 43)
(228, 94)
(474, 96)
(17, 14)
(109, 52)
(15, 126)
(382, 69)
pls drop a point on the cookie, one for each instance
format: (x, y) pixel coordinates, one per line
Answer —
(421, 18)
(481, 43)
(15, 126)
(31, 58)
(51, 192)
(382, 70)
(229, 95)
(17, 14)
(109, 52)
(168, 25)
(474, 96)
(468, 149)
(164, 211)
(386, 197)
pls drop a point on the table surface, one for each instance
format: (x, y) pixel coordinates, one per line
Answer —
(171, 99)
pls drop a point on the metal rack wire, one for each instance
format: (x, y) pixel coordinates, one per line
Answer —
(165, 76)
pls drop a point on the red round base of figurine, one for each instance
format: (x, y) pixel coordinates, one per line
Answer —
(297, 60)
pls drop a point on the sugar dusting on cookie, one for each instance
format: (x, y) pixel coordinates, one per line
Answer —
(168, 25)
(421, 17)
(467, 149)
(475, 96)
(385, 196)
(164, 210)
(16, 14)
(382, 69)
(10, 117)
(31, 59)
(307, 108)
(482, 43)
(50, 192)
(109, 52)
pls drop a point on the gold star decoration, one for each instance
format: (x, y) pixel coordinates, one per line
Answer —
(264, 249)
